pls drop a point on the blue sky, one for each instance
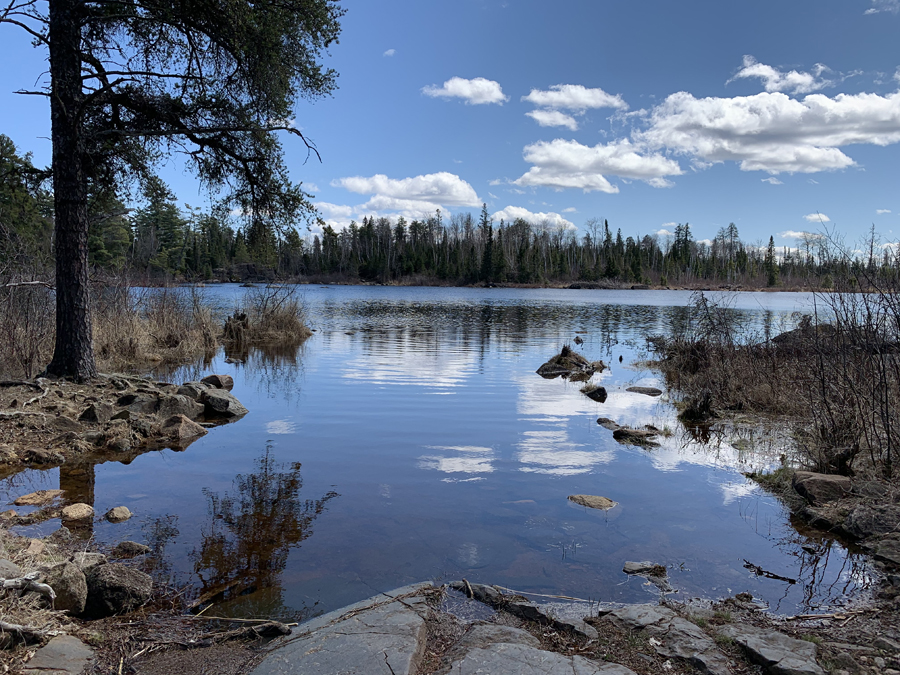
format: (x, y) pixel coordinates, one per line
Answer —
(649, 113)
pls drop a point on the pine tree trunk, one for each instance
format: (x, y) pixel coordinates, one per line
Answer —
(73, 355)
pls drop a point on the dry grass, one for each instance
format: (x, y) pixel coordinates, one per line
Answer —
(835, 382)
(136, 328)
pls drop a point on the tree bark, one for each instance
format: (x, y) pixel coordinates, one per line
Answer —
(73, 355)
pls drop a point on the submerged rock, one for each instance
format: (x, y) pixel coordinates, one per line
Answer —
(118, 514)
(649, 391)
(645, 568)
(593, 502)
(630, 436)
(219, 381)
(129, 549)
(39, 498)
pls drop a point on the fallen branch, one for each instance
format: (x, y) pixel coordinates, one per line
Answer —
(28, 583)
(26, 634)
(44, 391)
(45, 284)
(760, 572)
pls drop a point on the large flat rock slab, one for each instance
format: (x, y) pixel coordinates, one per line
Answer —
(776, 652)
(519, 659)
(384, 634)
(63, 655)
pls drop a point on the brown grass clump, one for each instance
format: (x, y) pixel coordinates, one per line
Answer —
(267, 315)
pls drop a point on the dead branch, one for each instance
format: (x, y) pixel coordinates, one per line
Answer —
(28, 583)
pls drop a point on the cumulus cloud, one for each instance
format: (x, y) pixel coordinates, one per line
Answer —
(881, 212)
(771, 131)
(793, 82)
(551, 219)
(663, 233)
(570, 209)
(569, 164)
(771, 180)
(816, 218)
(338, 211)
(433, 190)
(389, 52)
(553, 118)
(575, 97)
(477, 91)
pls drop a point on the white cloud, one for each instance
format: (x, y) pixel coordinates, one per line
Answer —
(390, 52)
(816, 218)
(771, 180)
(575, 97)
(705, 242)
(510, 213)
(664, 232)
(570, 209)
(883, 6)
(334, 210)
(799, 234)
(474, 92)
(793, 82)
(569, 164)
(881, 212)
(431, 190)
(553, 118)
(771, 131)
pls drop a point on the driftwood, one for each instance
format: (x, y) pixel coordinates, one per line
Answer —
(13, 633)
(760, 572)
(29, 583)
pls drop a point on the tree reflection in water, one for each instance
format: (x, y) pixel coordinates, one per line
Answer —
(248, 537)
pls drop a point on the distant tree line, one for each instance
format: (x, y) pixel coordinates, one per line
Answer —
(159, 240)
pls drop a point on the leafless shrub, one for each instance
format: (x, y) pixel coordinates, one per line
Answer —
(268, 315)
(26, 327)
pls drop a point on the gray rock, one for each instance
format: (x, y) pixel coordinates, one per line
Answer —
(886, 644)
(648, 391)
(141, 402)
(219, 381)
(594, 393)
(820, 518)
(677, 637)
(607, 423)
(221, 403)
(865, 521)
(887, 549)
(846, 662)
(63, 655)
(820, 488)
(176, 404)
(69, 583)
(593, 501)
(129, 549)
(777, 653)
(179, 428)
(115, 589)
(518, 659)
(358, 640)
(489, 634)
(88, 561)
(98, 412)
(192, 390)
(9, 570)
(561, 616)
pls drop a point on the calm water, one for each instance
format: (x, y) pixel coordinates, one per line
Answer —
(411, 439)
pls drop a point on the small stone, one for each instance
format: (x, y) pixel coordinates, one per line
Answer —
(121, 415)
(820, 488)
(61, 536)
(607, 423)
(630, 436)
(88, 561)
(9, 570)
(35, 547)
(129, 549)
(119, 444)
(118, 514)
(219, 381)
(77, 512)
(886, 644)
(880, 662)
(8, 515)
(595, 393)
(593, 501)
(39, 498)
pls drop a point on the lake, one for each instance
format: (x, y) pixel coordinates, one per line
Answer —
(411, 439)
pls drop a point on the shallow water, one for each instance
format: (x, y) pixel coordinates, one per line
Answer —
(411, 439)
